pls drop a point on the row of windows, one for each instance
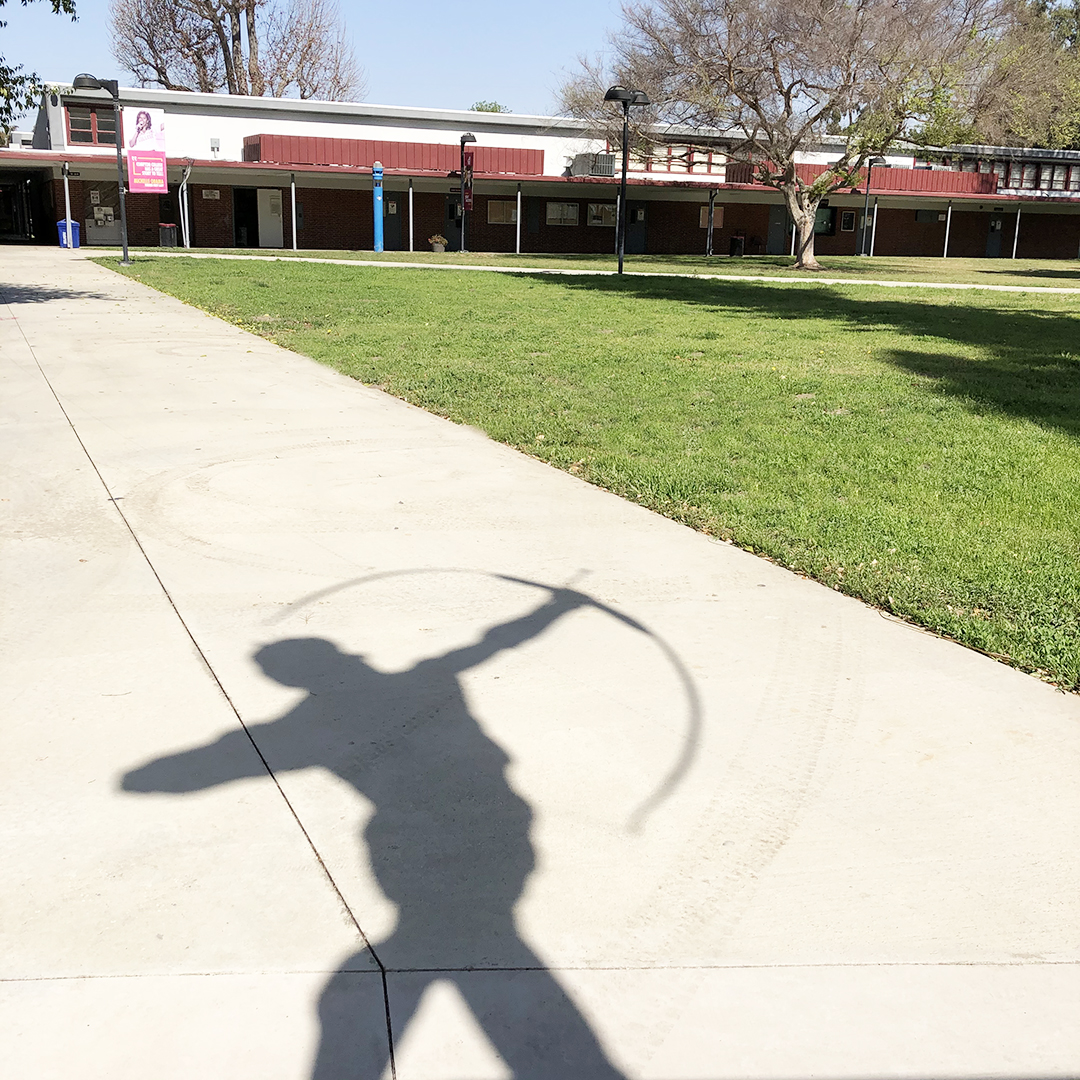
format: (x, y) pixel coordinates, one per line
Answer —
(504, 212)
(1025, 175)
(678, 159)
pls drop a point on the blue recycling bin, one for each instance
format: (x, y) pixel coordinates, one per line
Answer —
(62, 229)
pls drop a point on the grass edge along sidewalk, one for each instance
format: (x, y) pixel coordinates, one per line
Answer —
(1028, 275)
(917, 450)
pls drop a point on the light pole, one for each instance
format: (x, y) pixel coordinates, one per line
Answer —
(627, 98)
(468, 137)
(866, 205)
(112, 88)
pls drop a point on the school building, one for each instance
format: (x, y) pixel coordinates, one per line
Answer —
(251, 172)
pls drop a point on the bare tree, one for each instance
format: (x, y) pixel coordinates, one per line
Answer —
(307, 48)
(776, 75)
(257, 47)
(162, 43)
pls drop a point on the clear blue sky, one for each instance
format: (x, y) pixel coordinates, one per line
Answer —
(415, 52)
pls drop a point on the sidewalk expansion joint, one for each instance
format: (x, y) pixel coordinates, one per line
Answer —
(217, 681)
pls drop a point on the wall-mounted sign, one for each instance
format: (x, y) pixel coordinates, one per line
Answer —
(95, 198)
(211, 193)
(144, 144)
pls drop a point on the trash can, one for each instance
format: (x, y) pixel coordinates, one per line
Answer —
(737, 247)
(61, 227)
(166, 235)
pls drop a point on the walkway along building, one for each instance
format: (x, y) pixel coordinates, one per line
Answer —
(542, 184)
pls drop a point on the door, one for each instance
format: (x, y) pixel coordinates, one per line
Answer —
(778, 239)
(993, 239)
(452, 223)
(636, 222)
(271, 221)
(245, 217)
(393, 205)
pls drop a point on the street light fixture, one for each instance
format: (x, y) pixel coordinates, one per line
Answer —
(626, 98)
(468, 137)
(112, 88)
(866, 203)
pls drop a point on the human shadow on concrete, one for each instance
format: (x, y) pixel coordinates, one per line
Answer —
(1029, 362)
(448, 843)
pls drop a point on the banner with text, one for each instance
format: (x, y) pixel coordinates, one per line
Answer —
(144, 144)
(466, 181)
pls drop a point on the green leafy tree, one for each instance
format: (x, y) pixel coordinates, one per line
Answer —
(488, 106)
(19, 89)
(1030, 95)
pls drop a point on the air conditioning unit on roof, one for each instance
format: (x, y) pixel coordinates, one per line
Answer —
(593, 165)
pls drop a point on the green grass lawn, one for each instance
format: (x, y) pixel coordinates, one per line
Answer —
(1050, 273)
(917, 449)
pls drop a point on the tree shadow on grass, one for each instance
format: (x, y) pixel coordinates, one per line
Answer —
(1068, 274)
(1029, 362)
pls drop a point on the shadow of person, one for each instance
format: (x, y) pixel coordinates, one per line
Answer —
(448, 840)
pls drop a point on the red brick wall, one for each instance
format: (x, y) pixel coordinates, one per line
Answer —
(749, 220)
(211, 219)
(332, 218)
(142, 219)
(1045, 236)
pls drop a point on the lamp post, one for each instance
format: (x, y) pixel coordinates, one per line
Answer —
(112, 88)
(626, 98)
(468, 137)
(866, 204)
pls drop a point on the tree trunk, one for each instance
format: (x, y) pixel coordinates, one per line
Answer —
(803, 210)
(236, 37)
(258, 84)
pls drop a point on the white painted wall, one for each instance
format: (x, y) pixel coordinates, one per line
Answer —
(189, 134)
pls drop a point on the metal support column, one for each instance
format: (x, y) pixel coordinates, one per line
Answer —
(292, 198)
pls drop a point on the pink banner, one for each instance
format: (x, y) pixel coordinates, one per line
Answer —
(144, 141)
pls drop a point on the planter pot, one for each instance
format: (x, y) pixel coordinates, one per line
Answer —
(438, 248)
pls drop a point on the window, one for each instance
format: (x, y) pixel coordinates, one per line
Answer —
(1074, 178)
(501, 212)
(1058, 182)
(718, 217)
(847, 221)
(562, 213)
(1015, 173)
(601, 213)
(825, 221)
(1029, 176)
(91, 124)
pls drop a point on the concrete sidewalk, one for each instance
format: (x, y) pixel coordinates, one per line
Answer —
(306, 745)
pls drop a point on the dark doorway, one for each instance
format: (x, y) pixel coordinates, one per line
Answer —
(452, 223)
(636, 222)
(993, 238)
(23, 211)
(246, 217)
(394, 204)
(776, 241)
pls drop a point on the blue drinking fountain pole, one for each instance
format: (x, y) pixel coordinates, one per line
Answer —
(376, 190)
